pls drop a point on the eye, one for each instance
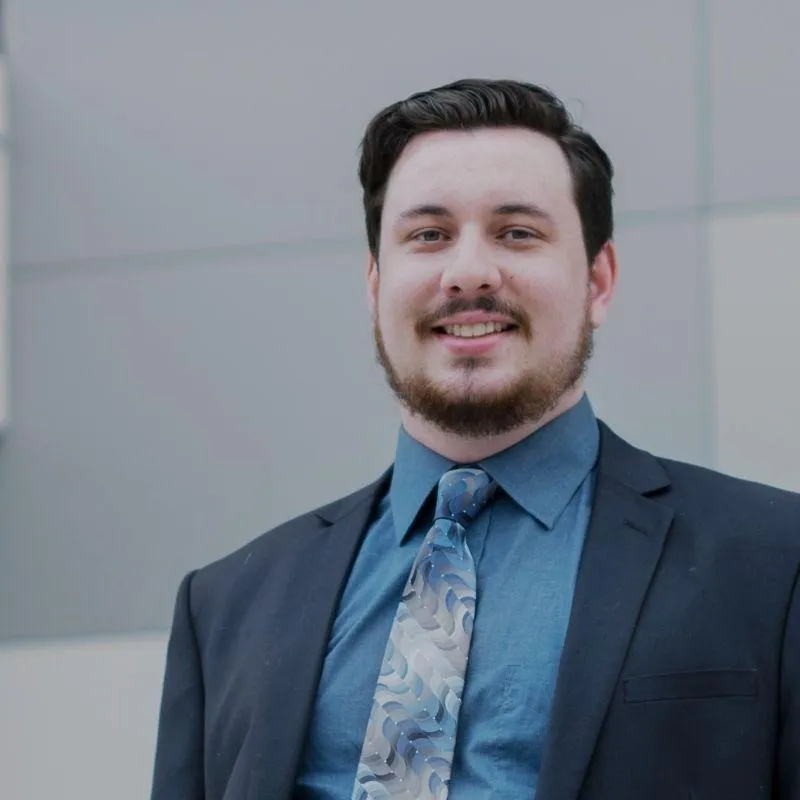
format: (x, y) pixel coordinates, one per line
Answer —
(519, 235)
(428, 236)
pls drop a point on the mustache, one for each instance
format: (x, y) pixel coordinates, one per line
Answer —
(487, 304)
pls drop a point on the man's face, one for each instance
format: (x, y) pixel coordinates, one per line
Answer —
(482, 299)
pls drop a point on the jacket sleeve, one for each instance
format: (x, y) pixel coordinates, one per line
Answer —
(789, 744)
(178, 771)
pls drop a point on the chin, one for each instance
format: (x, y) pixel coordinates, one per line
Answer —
(475, 377)
(465, 388)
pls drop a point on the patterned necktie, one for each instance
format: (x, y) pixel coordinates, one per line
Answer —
(408, 747)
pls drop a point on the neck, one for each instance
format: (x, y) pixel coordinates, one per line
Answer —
(465, 450)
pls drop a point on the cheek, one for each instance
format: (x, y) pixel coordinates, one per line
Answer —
(393, 315)
(554, 306)
(402, 300)
(541, 294)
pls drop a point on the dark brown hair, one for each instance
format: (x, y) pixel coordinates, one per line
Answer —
(471, 104)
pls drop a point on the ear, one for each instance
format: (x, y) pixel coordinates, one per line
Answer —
(602, 283)
(372, 285)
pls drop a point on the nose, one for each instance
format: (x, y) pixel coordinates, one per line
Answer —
(471, 272)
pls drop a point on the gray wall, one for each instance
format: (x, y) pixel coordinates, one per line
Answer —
(189, 333)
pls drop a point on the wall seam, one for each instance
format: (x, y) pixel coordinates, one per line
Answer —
(705, 194)
(41, 271)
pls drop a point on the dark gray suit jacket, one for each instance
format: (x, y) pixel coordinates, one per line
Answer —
(679, 680)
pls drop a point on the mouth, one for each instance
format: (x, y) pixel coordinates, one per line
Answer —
(474, 340)
(480, 330)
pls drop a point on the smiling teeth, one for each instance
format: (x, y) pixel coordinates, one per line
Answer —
(471, 331)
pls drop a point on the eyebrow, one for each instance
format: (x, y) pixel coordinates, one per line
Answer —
(425, 210)
(527, 209)
(505, 210)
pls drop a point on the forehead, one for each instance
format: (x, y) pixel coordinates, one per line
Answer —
(463, 170)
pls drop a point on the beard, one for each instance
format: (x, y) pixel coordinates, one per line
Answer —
(476, 413)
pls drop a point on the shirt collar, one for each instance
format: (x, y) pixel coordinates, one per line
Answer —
(541, 473)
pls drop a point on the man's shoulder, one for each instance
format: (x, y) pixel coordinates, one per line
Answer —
(735, 505)
(270, 549)
(735, 489)
(707, 495)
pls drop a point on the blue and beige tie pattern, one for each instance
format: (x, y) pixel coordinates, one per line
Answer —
(408, 747)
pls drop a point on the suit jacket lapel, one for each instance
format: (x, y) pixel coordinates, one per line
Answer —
(623, 545)
(291, 671)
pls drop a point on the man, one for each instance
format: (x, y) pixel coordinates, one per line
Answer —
(524, 604)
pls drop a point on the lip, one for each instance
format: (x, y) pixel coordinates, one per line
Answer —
(474, 318)
(475, 345)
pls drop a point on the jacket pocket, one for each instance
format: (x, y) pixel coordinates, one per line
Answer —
(691, 685)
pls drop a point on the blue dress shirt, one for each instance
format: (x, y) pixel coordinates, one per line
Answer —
(527, 546)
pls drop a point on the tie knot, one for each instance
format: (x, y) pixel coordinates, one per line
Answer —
(462, 494)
